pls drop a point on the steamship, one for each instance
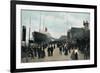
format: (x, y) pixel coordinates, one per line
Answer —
(42, 36)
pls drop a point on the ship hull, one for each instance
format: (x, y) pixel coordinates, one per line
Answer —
(40, 37)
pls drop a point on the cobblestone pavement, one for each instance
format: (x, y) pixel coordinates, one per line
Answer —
(56, 57)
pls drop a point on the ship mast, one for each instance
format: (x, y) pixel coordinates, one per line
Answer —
(66, 22)
(40, 23)
(43, 23)
(29, 29)
(66, 17)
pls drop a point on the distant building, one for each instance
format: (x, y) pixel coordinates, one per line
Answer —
(75, 34)
(23, 37)
(86, 25)
(23, 33)
(63, 37)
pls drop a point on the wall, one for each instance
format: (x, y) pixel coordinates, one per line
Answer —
(5, 36)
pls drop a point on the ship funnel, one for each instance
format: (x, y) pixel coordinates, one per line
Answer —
(46, 29)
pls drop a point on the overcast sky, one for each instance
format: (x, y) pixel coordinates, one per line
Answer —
(57, 23)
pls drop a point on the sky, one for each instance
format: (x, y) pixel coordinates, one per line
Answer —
(57, 23)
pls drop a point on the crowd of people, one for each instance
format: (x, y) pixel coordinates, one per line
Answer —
(39, 51)
(65, 48)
